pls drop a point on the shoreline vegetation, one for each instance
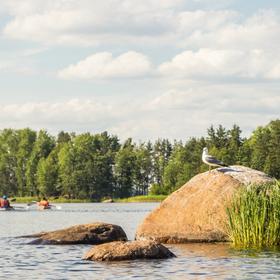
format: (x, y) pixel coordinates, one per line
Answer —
(90, 167)
(142, 198)
(139, 198)
(254, 216)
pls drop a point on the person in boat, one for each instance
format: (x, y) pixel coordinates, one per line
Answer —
(44, 203)
(4, 202)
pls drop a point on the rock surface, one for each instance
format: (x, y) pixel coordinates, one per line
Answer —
(96, 233)
(197, 211)
(118, 251)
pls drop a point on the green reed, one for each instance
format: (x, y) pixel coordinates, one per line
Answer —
(254, 216)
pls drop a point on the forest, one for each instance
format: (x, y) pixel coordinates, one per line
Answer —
(97, 166)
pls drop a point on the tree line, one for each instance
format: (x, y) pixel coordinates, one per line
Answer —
(95, 166)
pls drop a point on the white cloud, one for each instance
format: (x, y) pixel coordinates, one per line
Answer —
(104, 66)
(13, 66)
(190, 21)
(146, 23)
(91, 22)
(261, 30)
(215, 100)
(74, 114)
(191, 112)
(87, 22)
(211, 63)
(223, 67)
(175, 114)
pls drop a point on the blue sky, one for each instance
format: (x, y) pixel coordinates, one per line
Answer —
(142, 69)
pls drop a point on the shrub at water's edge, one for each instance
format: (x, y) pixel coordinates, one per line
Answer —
(254, 216)
(140, 198)
(28, 199)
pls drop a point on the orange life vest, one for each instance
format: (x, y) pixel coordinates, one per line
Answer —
(4, 203)
(44, 203)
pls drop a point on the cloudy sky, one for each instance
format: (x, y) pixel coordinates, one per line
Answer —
(143, 69)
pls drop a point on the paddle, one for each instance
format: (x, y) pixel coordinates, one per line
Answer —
(17, 207)
(32, 203)
(21, 207)
(57, 207)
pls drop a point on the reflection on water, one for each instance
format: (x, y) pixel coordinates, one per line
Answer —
(194, 261)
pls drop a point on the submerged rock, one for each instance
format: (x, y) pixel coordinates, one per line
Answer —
(197, 211)
(119, 251)
(96, 233)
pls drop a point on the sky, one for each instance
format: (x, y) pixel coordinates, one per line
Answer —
(143, 69)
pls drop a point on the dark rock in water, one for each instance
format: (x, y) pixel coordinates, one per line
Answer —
(197, 211)
(96, 233)
(119, 251)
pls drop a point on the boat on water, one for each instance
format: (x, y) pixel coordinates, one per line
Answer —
(7, 209)
(43, 207)
(25, 208)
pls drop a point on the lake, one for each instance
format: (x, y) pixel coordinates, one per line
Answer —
(194, 261)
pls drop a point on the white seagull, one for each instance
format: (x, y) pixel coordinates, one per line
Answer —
(210, 160)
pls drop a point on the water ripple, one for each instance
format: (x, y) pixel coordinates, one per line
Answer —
(194, 261)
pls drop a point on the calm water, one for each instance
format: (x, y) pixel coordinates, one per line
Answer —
(194, 261)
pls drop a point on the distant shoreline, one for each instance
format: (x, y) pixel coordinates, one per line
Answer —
(140, 198)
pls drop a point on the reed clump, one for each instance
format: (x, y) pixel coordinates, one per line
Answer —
(254, 216)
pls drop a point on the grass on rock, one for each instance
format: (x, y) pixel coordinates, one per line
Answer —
(254, 216)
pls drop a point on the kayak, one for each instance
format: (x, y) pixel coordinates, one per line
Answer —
(7, 209)
(21, 208)
(41, 207)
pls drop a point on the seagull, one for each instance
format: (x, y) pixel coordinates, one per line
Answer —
(210, 160)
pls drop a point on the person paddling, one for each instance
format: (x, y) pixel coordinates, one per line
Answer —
(44, 203)
(4, 202)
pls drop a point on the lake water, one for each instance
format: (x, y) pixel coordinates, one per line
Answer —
(194, 261)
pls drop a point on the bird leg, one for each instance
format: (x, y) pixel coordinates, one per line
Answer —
(209, 168)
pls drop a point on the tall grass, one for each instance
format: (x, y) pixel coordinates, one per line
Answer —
(254, 216)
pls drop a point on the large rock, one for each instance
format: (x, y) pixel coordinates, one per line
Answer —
(96, 233)
(119, 251)
(197, 211)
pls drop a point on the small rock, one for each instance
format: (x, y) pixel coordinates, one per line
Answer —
(96, 233)
(119, 251)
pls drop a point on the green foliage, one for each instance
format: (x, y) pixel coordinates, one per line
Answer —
(161, 153)
(93, 166)
(124, 170)
(41, 149)
(85, 166)
(27, 138)
(29, 199)
(8, 149)
(47, 175)
(156, 189)
(143, 169)
(254, 216)
(143, 198)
